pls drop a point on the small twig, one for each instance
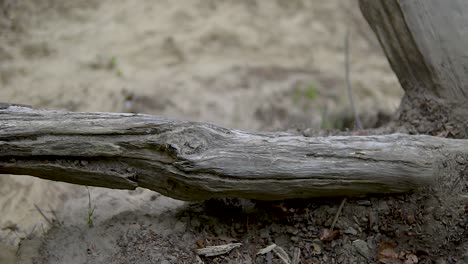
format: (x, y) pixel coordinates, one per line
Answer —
(296, 256)
(269, 257)
(325, 124)
(211, 251)
(353, 17)
(337, 214)
(90, 209)
(43, 229)
(16, 234)
(348, 82)
(282, 254)
(43, 215)
(30, 234)
(55, 215)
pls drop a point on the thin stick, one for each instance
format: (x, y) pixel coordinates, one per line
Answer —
(337, 214)
(43, 215)
(55, 215)
(90, 210)
(348, 82)
(370, 39)
(30, 234)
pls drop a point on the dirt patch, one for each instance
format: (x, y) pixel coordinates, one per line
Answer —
(423, 227)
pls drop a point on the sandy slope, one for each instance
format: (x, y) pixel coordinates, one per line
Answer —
(246, 64)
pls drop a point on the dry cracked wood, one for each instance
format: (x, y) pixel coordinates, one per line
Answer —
(192, 161)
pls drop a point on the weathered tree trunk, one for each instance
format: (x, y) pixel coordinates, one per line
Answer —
(426, 44)
(192, 161)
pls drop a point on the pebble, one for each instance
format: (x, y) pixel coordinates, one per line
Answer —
(361, 247)
(441, 261)
(264, 233)
(411, 219)
(459, 159)
(194, 223)
(218, 230)
(371, 243)
(351, 231)
(186, 237)
(275, 228)
(179, 227)
(317, 247)
(382, 206)
(308, 132)
(172, 259)
(282, 240)
(373, 219)
(292, 230)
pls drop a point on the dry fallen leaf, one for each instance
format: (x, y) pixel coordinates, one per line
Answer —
(200, 243)
(387, 253)
(316, 248)
(266, 249)
(328, 235)
(281, 206)
(411, 258)
(217, 250)
(278, 250)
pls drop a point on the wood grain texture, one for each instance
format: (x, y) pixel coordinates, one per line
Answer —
(195, 161)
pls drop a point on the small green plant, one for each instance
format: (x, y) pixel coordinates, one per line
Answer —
(91, 208)
(326, 122)
(113, 65)
(311, 92)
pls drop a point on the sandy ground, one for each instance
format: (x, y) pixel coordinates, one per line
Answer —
(250, 64)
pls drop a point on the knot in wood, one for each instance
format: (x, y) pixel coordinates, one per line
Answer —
(190, 141)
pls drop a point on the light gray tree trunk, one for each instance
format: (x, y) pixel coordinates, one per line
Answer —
(426, 44)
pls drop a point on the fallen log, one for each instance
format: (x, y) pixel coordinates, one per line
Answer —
(196, 161)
